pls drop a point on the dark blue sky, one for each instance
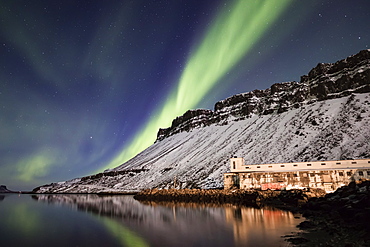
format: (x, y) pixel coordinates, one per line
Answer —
(84, 85)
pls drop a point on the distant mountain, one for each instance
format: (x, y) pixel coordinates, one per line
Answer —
(3, 189)
(325, 116)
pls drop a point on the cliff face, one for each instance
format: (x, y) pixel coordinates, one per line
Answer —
(325, 81)
(325, 116)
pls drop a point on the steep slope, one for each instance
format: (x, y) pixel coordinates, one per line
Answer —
(325, 116)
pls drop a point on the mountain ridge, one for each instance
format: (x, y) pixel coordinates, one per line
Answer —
(319, 84)
(325, 116)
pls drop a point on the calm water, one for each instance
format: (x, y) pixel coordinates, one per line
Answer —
(91, 220)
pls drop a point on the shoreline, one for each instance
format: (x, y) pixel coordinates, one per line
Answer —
(335, 219)
(287, 199)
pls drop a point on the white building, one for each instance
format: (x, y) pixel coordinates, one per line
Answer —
(327, 175)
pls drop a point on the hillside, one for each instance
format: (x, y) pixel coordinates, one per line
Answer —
(325, 116)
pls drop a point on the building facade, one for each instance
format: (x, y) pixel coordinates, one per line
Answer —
(327, 175)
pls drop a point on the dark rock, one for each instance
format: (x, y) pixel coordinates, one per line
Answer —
(342, 213)
(306, 225)
(297, 240)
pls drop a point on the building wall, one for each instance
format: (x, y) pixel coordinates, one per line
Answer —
(327, 175)
(238, 165)
(231, 180)
(329, 180)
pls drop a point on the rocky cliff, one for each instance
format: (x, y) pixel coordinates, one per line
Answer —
(325, 81)
(325, 116)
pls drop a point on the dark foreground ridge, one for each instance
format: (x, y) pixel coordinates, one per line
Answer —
(338, 219)
(335, 219)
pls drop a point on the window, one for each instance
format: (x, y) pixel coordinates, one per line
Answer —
(270, 166)
(361, 173)
(282, 165)
(338, 163)
(258, 167)
(341, 174)
(309, 164)
(233, 164)
(295, 165)
(368, 173)
(354, 162)
(227, 176)
(247, 167)
(368, 162)
(349, 173)
(295, 175)
(323, 164)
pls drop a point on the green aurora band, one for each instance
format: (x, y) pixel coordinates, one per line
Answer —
(232, 35)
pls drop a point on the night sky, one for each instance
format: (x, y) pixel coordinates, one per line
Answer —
(85, 85)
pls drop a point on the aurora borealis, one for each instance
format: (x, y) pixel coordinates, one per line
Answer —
(85, 85)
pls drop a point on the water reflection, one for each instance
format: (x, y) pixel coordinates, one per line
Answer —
(26, 222)
(168, 224)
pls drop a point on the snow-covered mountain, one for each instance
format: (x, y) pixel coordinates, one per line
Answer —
(325, 116)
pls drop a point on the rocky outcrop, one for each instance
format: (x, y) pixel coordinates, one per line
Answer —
(349, 205)
(325, 81)
(340, 218)
(190, 120)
